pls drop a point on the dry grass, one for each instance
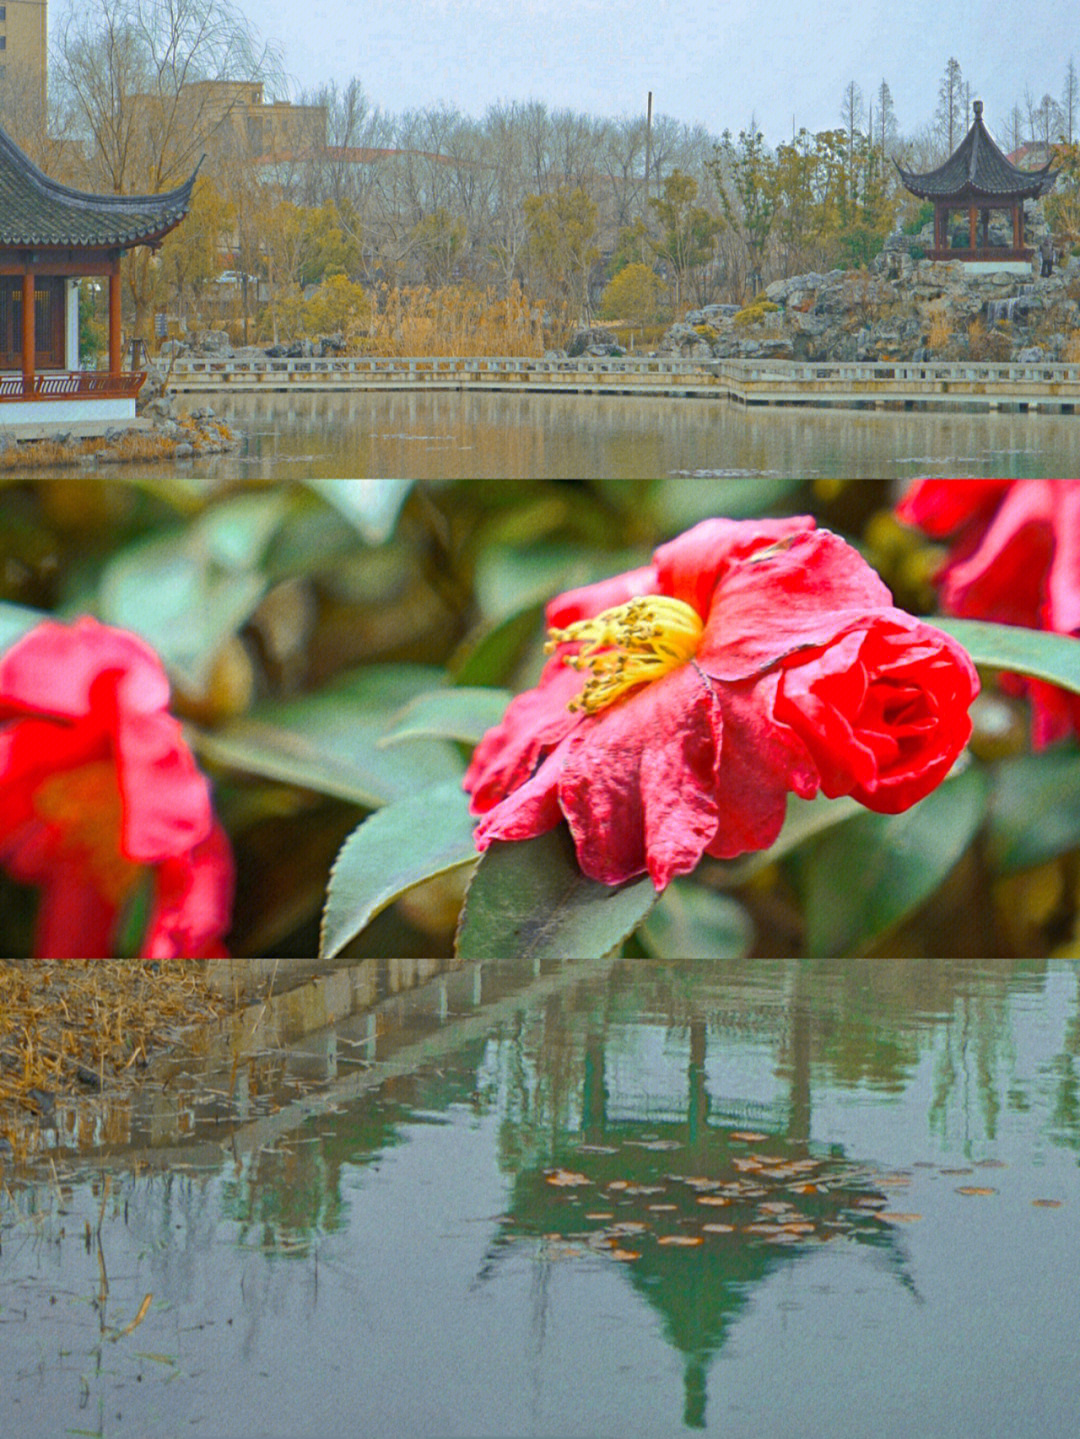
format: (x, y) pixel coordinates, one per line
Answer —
(941, 329)
(453, 320)
(133, 446)
(89, 1028)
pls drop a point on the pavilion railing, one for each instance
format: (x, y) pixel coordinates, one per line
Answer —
(71, 384)
(993, 253)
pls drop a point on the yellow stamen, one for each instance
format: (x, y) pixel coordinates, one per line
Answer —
(628, 646)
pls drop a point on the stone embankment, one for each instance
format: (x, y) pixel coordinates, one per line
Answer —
(159, 433)
(901, 309)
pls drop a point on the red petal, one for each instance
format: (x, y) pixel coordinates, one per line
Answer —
(691, 566)
(638, 781)
(941, 507)
(192, 902)
(589, 600)
(761, 763)
(1062, 612)
(166, 799)
(797, 598)
(74, 922)
(533, 725)
(51, 670)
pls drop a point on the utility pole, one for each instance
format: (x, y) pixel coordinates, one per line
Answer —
(648, 147)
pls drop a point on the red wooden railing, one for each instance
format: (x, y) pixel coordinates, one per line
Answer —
(72, 384)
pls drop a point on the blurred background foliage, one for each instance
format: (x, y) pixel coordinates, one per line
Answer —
(337, 646)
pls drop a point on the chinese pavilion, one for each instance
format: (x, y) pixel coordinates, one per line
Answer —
(50, 236)
(976, 180)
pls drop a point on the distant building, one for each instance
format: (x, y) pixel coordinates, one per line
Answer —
(238, 110)
(24, 48)
(1032, 155)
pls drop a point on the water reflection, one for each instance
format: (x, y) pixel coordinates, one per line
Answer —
(566, 1198)
(449, 435)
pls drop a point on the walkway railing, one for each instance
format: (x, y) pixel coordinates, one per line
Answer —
(905, 384)
(71, 384)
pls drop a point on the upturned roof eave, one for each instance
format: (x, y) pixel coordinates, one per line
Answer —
(1040, 183)
(158, 214)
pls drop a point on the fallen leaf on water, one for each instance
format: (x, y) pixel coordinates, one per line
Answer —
(747, 1136)
(681, 1241)
(617, 1184)
(663, 1208)
(718, 1200)
(1047, 1203)
(888, 1218)
(718, 1228)
(974, 1189)
(625, 1256)
(602, 1215)
(567, 1179)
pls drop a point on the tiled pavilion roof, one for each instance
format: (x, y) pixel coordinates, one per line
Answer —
(977, 170)
(36, 211)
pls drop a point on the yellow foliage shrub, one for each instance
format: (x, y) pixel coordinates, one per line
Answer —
(756, 311)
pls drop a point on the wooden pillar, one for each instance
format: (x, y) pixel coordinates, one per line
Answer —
(973, 232)
(114, 318)
(1018, 236)
(29, 364)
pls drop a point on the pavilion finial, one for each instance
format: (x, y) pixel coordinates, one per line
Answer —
(977, 107)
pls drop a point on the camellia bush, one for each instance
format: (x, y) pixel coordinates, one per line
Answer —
(689, 717)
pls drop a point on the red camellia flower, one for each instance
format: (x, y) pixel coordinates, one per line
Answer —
(101, 800)
(685, 700)
(1014, 560)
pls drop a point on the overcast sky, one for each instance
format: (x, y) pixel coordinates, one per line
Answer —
(711, 62)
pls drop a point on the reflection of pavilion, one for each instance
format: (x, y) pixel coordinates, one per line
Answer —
(699, 1212)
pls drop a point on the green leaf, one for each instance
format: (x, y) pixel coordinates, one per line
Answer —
(1043, 656)
(188, 591)
(494, 657)
(16, 621)
(1034, 810)
(463, 714)
(692, 499)
(329, 741)
(692, 922)
(805, 819)
(866, 876)
(391, 852)
(372, 507)
(529, 900)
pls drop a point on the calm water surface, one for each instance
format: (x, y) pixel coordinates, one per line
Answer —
(463, 436)
(621, 1198)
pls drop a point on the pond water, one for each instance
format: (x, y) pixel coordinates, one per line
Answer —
(617, 1198)
(495, 436)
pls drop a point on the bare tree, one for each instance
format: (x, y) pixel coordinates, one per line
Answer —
(885, 128)
(1070, 99)
(137, 78)
(949, 115)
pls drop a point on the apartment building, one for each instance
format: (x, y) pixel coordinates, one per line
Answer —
(24, 49)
